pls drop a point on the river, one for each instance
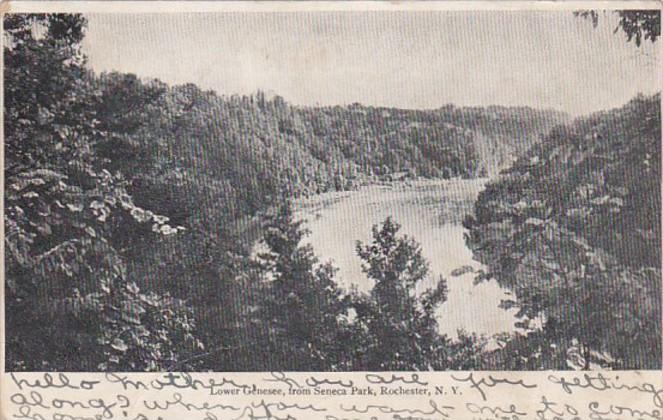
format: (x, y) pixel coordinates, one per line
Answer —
(431, 212)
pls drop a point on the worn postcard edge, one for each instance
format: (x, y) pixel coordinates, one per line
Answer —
(295, 6)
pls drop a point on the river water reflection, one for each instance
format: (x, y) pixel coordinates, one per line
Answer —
(429, 211)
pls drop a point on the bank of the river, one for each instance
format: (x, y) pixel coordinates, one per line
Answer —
(431, 211)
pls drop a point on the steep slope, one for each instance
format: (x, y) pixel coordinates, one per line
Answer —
(242, 152)
(573, 229)
(212, 164)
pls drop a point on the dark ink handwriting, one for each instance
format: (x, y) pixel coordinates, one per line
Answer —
(378, 379)
(314, 382)
(616, 410)
(49, 381)
(490, 382)
(494, 411)
(178, 401)
(186, 381)
(599, 382)
(282, 377)
(434, 409)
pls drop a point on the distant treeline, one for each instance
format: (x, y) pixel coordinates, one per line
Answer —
(132, 209)
(249, 149)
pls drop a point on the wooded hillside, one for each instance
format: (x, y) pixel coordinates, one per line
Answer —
(132, 209)
(573, 228)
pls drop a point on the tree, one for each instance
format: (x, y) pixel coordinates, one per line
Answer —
(638, 25)
(302, 306)
(397, 325)
(66, 285)
(542, 231)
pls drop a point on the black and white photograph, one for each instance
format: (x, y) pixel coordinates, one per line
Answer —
(332, 190)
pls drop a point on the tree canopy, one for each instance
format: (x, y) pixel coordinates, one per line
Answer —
(149, 227)
(66, 283)
(573, 229)
(637, 25)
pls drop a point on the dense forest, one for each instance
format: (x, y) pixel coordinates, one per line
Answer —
(132, 208)
(573, 228)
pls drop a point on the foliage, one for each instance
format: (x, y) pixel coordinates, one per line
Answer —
(65, 282)
(251, 149)
(302, 307)
(398, 325)
(214, 163)
(638, 25)
(541, 231)
(87, 156)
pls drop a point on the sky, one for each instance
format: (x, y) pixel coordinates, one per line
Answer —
(402, 59)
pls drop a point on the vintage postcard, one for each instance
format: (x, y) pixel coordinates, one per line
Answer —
(331, 210)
